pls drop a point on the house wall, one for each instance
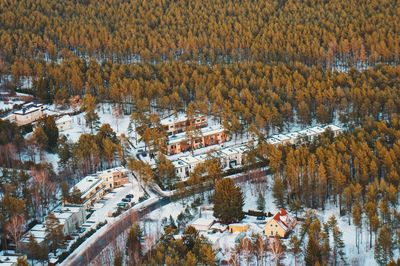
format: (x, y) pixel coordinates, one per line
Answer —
(238, 228)
(273, 228)
(64, 125)
(24, 119)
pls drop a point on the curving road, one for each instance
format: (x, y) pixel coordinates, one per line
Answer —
(89, 249)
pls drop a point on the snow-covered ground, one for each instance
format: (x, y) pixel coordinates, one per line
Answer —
(224, 243)
(105, 207)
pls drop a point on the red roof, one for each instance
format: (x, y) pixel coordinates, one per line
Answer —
(279, 214)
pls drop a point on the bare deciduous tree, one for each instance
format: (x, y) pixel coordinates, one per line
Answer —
(15, 228)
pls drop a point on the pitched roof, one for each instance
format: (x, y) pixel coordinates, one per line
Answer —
(282, 218)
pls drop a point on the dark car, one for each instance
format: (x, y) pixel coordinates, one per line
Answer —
(126, 200)
(262, 218)
(129, 196)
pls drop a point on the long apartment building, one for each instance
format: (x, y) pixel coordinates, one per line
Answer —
(178, 124)
(231, 157)
(94, 187)
(207, 136)
(29, 113)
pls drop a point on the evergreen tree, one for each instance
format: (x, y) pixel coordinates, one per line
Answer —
(261, 202)
(64, 150)
(54, 233)
(228, 201)
(165, 171)
(91, 117)
(384, 246)
(312, 252)
(295, 247)
(338, 246)
(48, 124)
(133, 245)
(278, 192)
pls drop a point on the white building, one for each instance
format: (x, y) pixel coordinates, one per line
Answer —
(202, 224)
(283, 139)
(64, 123)
(308, 134)
(71, 217)
(181, 169)
(273, 141)
(335, 129)
(92, 188)
(29, 113)
(295, 137)
(114, 177)
(191, 161)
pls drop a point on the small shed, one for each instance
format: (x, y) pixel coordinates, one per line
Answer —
(202, 224)
(238, 228)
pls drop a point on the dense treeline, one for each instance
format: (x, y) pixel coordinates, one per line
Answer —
(358, 172)
(313, 32)
(266, 97)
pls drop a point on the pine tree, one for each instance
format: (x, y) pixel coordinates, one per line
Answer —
(338, 245)
(384, 246)
(54, 233)
(91, 117)
(312, 252)
(278, 192)
(228, 201)
(133, 245)
(261, 202)
(295, 247)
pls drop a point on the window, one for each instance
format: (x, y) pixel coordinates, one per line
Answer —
(272, 233)
(276, 232)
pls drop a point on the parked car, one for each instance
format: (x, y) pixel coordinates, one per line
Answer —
(126, 200)
(129, 196)
(123, 205)
(261, 218)
(81, 230)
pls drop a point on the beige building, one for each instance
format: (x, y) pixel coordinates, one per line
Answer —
(114, 177)
(280, 224)
(29, 113)
(238, 228)
(64, 123)
(92, 188)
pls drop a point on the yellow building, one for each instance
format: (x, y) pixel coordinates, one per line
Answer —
(238, 228)
(279, 225)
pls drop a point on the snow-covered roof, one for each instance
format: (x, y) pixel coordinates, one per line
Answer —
(318, 129)
(202, 157)
(202, 223)
(205, 131)
(307, 132)
(87, 183)
(273, 141)
(229, 151)
(293, 135)
(179, 163)
(281, 137)
(178, 118)
(177, 138)
(218, 226)
(211, 130)
(282, 218)
(63, 119)
(189, 159)
(6, 260)
(241, 148)
(333, 127)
